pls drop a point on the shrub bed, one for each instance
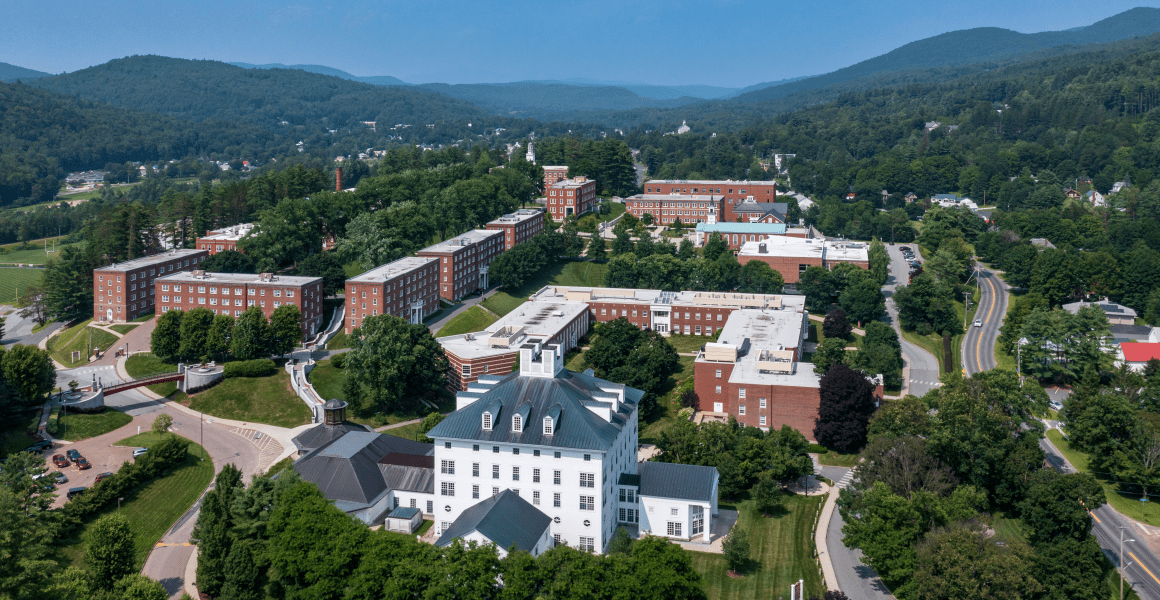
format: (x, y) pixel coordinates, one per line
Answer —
(259, 367)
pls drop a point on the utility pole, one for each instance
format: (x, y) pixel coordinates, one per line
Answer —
(1123, 565)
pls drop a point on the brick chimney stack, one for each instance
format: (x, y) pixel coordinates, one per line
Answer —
(338, 179)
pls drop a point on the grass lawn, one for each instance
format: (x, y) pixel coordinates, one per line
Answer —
(574, 361)
(80, 338)
(123, 329)
(32, 254)
(468, 321)
(782, 551)
(668, 405)
(410, 432)
(280, 465)
(339, 341)
(14, 281)
(154, 507)
(569, 273)
(144, 365)
(690, 343)
(79, 426)
(252, 399)
(1128, 505)
(832, 458)
(17, 438)
(327, 381)
(933, 343)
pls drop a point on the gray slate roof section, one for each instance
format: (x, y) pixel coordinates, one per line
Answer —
(408, 479)
(506, 519)
(403, 512)
(1135, 333)
(347, 469)
(680, 482)
(576, 428)
(322, 434)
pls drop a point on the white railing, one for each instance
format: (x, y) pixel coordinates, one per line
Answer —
(301, 384)
(332, 329)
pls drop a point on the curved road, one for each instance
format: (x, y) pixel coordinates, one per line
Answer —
(921, 366)
(979, 342)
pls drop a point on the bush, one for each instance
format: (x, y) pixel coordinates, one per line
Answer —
(924, 329)
(338, 361)
(259, 367)
(161, 457)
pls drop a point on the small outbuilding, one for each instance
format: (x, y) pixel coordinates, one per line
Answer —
(404, 519)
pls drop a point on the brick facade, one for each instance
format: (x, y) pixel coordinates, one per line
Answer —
(784, 405)
(125, 291)
(233, 293)
(463, 260)
(733, 192)
(407, 288)
(570, 197)
(518, 227)
(667, 209)
(552, 174)
(226, 238)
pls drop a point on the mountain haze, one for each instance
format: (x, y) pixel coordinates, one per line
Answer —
(324, 70)
(10, 73)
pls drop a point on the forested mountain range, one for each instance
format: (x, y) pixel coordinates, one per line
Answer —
(324, 70)
(9, 73)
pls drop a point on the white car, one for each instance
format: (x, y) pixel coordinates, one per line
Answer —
(978, 322)
(139, 451)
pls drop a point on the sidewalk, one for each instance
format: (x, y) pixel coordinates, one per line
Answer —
(831, 578)
(462, 306)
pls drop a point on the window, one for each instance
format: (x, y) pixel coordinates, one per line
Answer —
(587, 544)
(495, 471)
(762, 418)
(556, 500)
(517, 426)
(447, 445)
(587, 457)
(557, 454)
(486, 419)
(674, 529)
(515, 473)
(741, 410)
(516, 451)
(535, 475)
(494, 491)
(718, 389)
(430, 507)
(547, 425)
(556, 537)
(447, 467)
(495, 449)
(536, 498)
(467, 373)
(741, 393)
(587, 503)
(673, 512)
(536, 453)
(475, 469)
(556, 477)
(447, 488)
(763, 400)
(475, 447)
(587, 480)
(698, 520)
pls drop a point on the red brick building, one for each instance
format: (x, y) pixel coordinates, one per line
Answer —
(668, 208)
(407, 288)
(464, 261)
(124, 291)
(226, 238)
(792, 256)
(569, 197)
(518, 227)
(495, 351)
(233, 293)
(552, 174)
(733, 192)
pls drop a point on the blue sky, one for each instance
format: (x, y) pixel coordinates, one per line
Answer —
(722, 42)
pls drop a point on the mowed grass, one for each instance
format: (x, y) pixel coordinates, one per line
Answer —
(80, 338)
(570, 273)
(75, 427)
(328, 381)
(1126, 504)
(123, 329)
(268, 400)
(34, 253)
(153, 508)
(144, 365)
(781, 551)
(339, 341)
(14, 281)
(468, 321)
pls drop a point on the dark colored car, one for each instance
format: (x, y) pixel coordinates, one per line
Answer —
(59, 461)
(73, 454)
(82, 463)
(74, 492)
(102, 476)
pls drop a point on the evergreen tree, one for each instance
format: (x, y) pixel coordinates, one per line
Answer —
(217, 342)
(195, 326)
(286, 328)
(109, 552)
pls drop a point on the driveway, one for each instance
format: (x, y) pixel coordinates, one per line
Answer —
(920, 366)
(18, 330)
(979, 342)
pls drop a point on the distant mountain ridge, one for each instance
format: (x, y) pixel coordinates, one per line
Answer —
(10, 73)
(325, 70)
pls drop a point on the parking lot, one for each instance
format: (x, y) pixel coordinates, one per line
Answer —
(101, 454)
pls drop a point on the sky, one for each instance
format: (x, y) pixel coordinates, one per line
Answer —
(730, 43)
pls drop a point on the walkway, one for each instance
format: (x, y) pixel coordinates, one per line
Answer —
(457, 309)
(920, 372)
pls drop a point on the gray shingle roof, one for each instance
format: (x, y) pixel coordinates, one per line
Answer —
(403, 512)
(348, 472)
(576, 426)
(681, 482)
(322, 434)
(506, 519)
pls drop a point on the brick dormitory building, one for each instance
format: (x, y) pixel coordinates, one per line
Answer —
(407, 288)
(518, 227)
(792, 256)
(569, 197)
(226, 238)
(125, 291)
(233, 293)
(727, 194)
(464, 261)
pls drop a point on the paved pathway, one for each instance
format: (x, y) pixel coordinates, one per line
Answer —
(920, 371)
(18, 330)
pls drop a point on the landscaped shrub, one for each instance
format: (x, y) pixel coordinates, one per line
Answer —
(338, 361)
(259, 367)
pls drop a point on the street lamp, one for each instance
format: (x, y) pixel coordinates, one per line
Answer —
(1123, 565)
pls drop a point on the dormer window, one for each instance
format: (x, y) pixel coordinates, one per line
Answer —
(548, 425)
(487, 421)
(517, 424)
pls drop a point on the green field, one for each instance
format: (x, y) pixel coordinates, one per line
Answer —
(79, 426)
(570, 273)
(832, 458)
(781, 551)
(267, 400)
(690, 343)
(14, 281)
(82, 338)
(144, 365)
(468, 321)
(123, 329)
(339, 341)
(154, 507)
(34, 253)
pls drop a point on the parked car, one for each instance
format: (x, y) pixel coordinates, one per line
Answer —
(102, 476)
(60, 478)
(74, 492)
(59, 461)
(139, 451)
(73, 454)
(82, 463)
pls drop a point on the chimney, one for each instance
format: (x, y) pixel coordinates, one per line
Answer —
(338, 179)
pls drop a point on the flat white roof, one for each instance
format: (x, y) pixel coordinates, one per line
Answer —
(229, 234)
(474, 236)
(572, 183)
(521, 215)
(808, 248)
(537, 320)
(712, 181)
(685, 298)
(755, 331)
(239, 278)
(657, 197)
(152, 259)
(391, 270)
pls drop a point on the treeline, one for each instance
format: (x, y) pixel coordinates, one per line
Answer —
(661, 265)
(252, 540)
(936, 475)
(516, 266)
(608, 161)
(200, 335)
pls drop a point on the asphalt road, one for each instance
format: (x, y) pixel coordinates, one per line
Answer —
(922, 375)
(979, 342)
(1143, 567)
(18, 330)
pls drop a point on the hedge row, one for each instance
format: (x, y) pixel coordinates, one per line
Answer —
(259, 367)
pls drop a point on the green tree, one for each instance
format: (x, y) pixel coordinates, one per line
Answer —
(393, 365)
(327, 266)
(229, 261)
(68, 285)
(195, 326)
(817, 285)
(686, 251)
(29, 373)
(428, 423)
(109, 551)
(304, 523)
(217, 341)
(165, 341)
(847, 401)
(252, 337)
(736, 549)
(715, 246)
(968, 562)
(243, 578)
(596, 247)
(767, 496)
(162, 423)
(285, 329)
(26, 546)
(832, 351)
(757, 277)
(623, 243)
(622, 271)
(863, 301)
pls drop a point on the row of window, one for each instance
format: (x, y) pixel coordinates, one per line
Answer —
(515, 450)
(162, 269)
(277, 293)
(225, 302)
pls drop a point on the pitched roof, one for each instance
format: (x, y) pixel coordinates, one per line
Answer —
(322, 434)
(682, 482)
(348, 472)
(403, 512)
(576, 426)
(1140, 351)
(506, 519)
(1130, 331)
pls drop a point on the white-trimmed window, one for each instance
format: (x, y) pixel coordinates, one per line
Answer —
(763, 403)
(536, 498)
(548, 425)
(762, 419)
(475, 469)
(587, 544)
(741, 410)
(515, 473)
(486, 415)
(556, 500)
(447, 467)
(535, 475)
(517, 423)
(447, 488)
(587, 480)
(587, 503)
(674, 529)
(555, 477)
(741, 393)
(495, 471)
(475, 492)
